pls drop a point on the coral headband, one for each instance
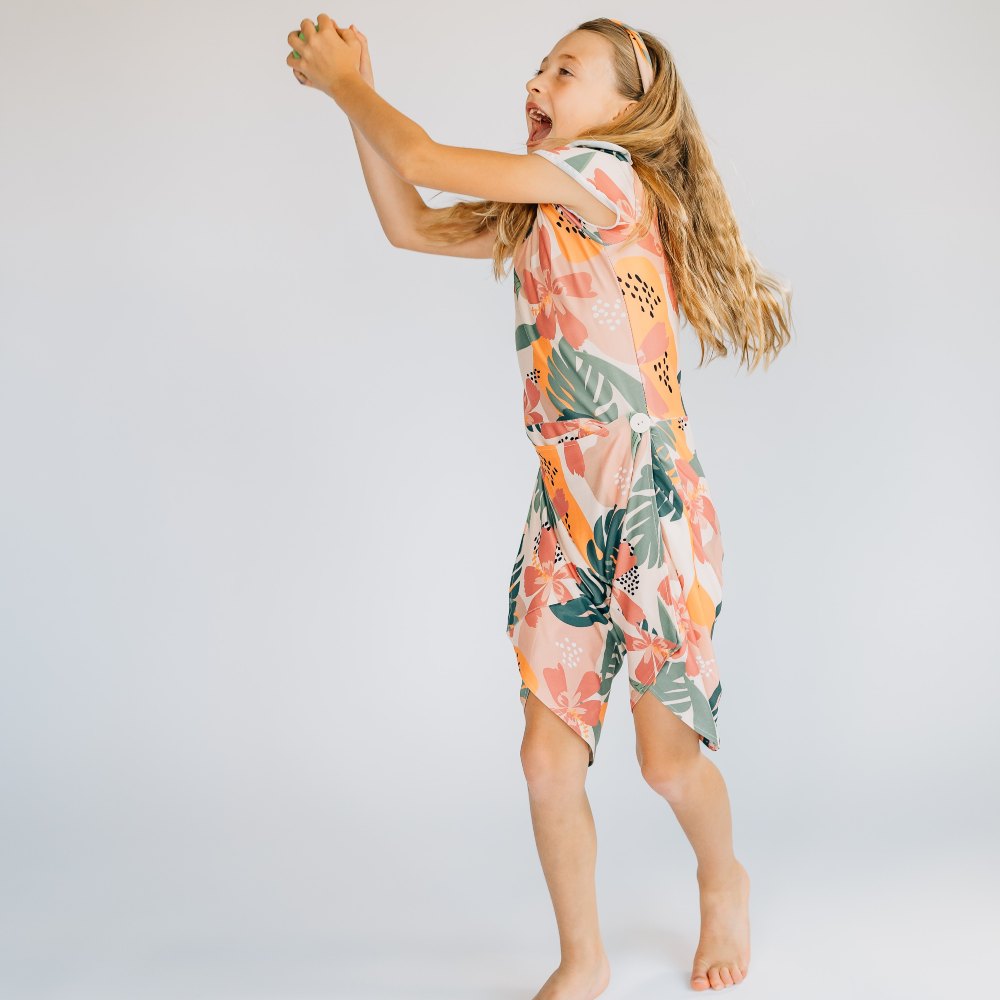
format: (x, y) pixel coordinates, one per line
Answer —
(641, 55)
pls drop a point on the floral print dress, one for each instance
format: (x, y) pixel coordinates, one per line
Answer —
(621, 555)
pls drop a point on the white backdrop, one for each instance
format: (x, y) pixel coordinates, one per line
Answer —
(264, 478)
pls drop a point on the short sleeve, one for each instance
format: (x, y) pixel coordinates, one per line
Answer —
(604, 169)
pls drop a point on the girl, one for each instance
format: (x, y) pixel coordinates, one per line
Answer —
(614, 222)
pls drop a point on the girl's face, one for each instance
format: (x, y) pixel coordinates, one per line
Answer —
(574, 88)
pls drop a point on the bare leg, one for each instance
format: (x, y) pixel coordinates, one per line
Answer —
(672, 763)
(554, 758)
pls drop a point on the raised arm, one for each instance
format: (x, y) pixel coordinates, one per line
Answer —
(400, 207)
(398, 204)
(513, 177)
(332, 63)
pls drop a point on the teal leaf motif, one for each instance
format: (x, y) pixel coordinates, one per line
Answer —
(671, 688)
(602, 552)
(668, 498)
(667, 627)
(611, 661)
(538, 495)
(642, 522)
(678, 692)
(515, 588)
(592, 604)
(662, 438)
(581, 385)
(545, 501)
(714, 701)
(589, 608)
(525, 334)
(704, 719)
(715, 620)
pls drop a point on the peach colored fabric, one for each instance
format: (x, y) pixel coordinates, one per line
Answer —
(620, 560)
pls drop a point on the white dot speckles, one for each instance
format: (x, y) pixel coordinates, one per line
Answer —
(610, 314)
(621, 479)
(570, 653)
(704, 666)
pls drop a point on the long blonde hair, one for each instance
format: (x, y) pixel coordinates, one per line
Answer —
(724, 292)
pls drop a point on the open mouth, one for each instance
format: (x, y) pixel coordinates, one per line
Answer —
(539, 124)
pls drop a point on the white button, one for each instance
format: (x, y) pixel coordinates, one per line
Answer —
(640, 422)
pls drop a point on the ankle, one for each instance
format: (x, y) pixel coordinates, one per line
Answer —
(582, 955)
(720, 874)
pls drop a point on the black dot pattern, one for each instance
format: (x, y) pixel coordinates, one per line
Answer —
(642, 292)
(661, 369)
(564, 220)
(548, 470)
(629, 582)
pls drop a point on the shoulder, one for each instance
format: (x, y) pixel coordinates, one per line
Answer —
(587, 157)
(605, 169)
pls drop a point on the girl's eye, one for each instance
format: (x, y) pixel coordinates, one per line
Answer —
(562, 69)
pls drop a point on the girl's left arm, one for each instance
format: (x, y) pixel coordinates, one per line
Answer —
(479, 173)
(330, 64)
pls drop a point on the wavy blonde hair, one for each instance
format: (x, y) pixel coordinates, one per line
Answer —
(724, 292)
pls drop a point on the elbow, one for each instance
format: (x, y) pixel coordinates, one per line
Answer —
(413, 163)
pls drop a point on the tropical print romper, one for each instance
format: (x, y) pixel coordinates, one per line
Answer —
(621, 555)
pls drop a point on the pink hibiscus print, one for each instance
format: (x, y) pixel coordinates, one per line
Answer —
(546, 583)
(656, 649)
(671, 592)
(532, 397)
(546, 292)
(571, 450)
(697, 503)
(578, 708)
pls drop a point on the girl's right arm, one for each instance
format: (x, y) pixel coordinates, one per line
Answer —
(398, 204)
(399, 207)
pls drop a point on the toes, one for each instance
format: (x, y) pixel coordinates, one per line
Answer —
(699, 981)
(737, 974)
(715, 979)
(727, 976)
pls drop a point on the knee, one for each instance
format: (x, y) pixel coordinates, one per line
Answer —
(669, 778)
(551, 768)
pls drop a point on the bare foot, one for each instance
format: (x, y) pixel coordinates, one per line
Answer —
(722, 957)
(577, 980)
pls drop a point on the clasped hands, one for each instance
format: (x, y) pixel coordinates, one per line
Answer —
(324, 55)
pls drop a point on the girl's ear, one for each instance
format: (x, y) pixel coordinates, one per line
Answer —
(628, 107)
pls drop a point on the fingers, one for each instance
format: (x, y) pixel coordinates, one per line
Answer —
(340, 31)
(348, 34)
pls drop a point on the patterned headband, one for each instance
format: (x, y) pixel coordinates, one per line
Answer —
(641, 55)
